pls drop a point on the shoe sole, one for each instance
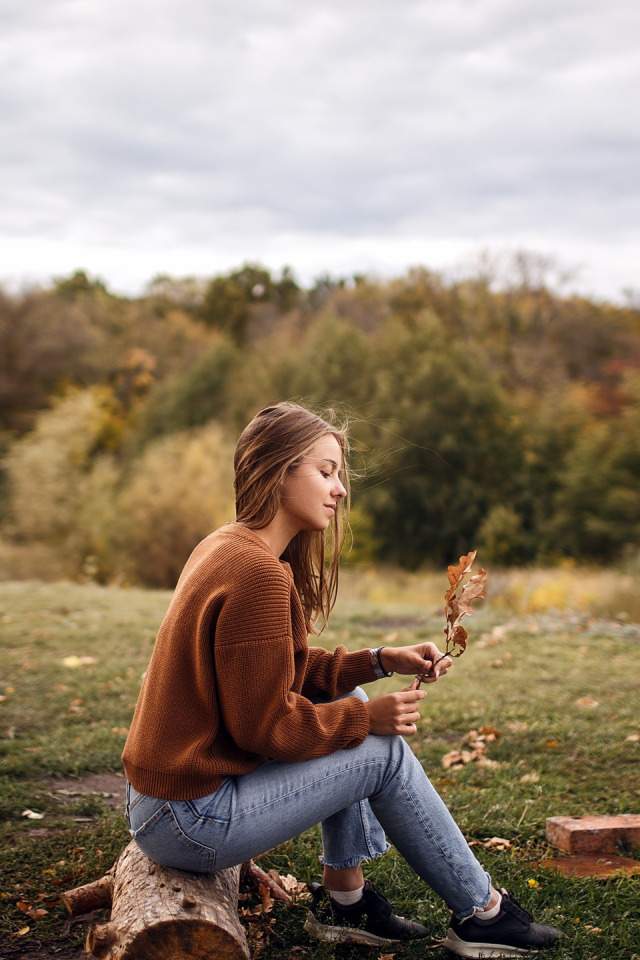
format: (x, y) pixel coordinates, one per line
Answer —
(343, 934)
(484, 951)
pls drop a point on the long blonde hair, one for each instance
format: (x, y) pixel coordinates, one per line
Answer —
(273, 443)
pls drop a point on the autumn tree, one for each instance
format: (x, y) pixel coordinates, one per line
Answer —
(449, 449)
(597, 505)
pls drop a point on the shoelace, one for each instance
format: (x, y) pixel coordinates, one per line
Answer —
(516, 909)
(375, 891)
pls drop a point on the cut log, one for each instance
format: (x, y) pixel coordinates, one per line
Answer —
(158, 913)
(92, 896)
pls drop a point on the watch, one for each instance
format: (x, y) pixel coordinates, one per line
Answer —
(375, 661)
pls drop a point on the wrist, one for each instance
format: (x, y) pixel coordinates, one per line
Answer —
(377, 665)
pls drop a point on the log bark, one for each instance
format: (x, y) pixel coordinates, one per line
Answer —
(158, 913)
(92, 896)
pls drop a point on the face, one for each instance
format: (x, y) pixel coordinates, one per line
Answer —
(311, 490)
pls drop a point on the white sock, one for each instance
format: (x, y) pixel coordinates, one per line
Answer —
(346, 898)
(489, 912)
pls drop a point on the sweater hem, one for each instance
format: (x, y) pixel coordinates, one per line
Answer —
(171, 786)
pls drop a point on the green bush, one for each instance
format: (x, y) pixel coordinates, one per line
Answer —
(191, 398)
(49, 469)
(178, 491)
(136, 522)
(501, 539)
(597, 506)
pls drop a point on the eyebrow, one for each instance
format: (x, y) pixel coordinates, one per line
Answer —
(329, 460)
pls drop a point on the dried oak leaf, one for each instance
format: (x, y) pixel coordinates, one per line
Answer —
(458, 606)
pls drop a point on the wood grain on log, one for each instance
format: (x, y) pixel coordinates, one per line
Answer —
(163, 914)
(90, 897)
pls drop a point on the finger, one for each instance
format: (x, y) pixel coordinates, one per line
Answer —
(426, 678)
(412, 717)
(411, 693)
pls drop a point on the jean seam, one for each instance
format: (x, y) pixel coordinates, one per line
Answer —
(365, 829)
(201, 818)
(443, 851)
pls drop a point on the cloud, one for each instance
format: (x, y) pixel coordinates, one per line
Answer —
(197, 128)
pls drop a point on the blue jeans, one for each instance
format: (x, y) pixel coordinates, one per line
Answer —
(378, 788)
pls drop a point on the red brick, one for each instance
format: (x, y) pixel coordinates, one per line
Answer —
(594, 834)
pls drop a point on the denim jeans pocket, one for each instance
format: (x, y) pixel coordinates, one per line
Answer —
(162, 839)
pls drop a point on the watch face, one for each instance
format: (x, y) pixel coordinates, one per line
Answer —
(376, 666)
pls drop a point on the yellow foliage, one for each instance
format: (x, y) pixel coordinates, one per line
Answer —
(48, 468)
(179, 490)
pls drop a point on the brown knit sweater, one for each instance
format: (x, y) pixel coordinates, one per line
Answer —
(231, 673)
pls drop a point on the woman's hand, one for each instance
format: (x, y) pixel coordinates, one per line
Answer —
(395, 713)
(418, 660)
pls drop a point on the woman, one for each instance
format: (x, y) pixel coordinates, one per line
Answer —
(244, 736)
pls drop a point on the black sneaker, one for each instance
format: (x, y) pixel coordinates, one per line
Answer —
(371, 921)
(512, 933)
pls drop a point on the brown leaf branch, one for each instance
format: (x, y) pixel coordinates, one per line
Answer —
(458, 604)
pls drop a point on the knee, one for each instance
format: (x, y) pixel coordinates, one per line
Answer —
(401, 753)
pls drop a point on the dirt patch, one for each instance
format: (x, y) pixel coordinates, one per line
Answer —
(109, 787)
(39, 951)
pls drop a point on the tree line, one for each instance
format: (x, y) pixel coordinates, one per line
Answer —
(499, 416)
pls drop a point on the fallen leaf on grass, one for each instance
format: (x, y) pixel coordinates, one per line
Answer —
(632, 738)
(456, 758)
(473, 749)
(587, 703)
(74, 661)
(266, 905)
(489, 733)
(36, 913)
(289, 884)
(530, 778)
(21, 932)
(497, 843)
(32, 815)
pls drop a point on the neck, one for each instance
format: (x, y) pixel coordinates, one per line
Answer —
(277, 535)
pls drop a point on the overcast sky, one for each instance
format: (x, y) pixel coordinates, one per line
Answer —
(340, 136)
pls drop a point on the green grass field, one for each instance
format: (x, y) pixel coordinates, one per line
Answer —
(543, 706)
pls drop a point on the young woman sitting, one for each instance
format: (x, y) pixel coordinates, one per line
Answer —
(245, 736)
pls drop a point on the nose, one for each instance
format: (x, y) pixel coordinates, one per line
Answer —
(339, 491)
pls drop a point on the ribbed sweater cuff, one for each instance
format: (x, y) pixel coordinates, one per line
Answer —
(356, 669)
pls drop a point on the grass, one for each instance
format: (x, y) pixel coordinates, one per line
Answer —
(550, 674)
